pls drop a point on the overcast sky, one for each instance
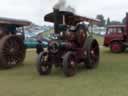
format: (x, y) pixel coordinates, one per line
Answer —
(34, 10)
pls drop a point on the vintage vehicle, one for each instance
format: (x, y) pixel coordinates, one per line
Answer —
(72, 45)
(116, 37)
(12, 49)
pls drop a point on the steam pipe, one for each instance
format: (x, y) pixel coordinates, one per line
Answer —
(64, 20)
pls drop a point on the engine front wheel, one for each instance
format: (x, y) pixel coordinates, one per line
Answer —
(43, 65)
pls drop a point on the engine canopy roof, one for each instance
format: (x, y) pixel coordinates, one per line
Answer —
(70, 18)
(17, 22)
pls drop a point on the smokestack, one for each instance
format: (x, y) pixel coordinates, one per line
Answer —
(56, 20)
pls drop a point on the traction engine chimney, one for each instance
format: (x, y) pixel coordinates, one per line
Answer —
(56, 20)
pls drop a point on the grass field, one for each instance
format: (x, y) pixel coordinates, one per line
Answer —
(109, 79)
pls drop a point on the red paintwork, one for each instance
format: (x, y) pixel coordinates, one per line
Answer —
(116, 47)
(126, 27)
(115, 35)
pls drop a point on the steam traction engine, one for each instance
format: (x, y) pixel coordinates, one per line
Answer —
(71, 47)
(12, 49)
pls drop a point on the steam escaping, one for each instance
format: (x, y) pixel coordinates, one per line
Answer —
(60, 4)
(63, 6)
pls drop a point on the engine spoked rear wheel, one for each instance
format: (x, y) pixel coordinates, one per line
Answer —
(43, 65)
(12, 51)
(92, 53)
(69, 64)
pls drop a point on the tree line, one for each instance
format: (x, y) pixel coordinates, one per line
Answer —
(107, 22)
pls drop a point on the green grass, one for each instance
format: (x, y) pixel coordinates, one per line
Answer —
(109, 79)
(100, 39)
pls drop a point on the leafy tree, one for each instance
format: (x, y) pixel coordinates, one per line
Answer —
(102, 20)
(124, 20)
(108, 21)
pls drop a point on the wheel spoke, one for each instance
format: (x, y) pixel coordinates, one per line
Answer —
(95, 52)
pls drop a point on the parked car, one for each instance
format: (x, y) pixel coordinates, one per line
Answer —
(32, 43)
